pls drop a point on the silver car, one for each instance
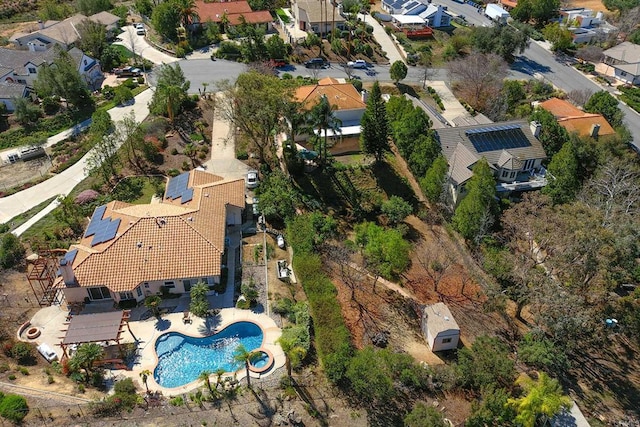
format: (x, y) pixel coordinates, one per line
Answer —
(252, 180)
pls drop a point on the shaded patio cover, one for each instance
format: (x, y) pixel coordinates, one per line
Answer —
(96, 327)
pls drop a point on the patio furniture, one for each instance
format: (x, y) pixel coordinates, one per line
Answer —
(186, 318)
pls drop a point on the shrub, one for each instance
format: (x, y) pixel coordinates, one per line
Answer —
(23, 370)
(13, 407)
(22, 352)
(177, 401)
(12, 377)
(50, 105)
(50, 379)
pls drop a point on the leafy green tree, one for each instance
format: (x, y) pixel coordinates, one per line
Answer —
(552, 135)
(276, 48)
(621, 5)
(26, 113)
(423, 415)
(278, 196)
(11, 251)
(165, 19)
(513, 93)
(90, 7)
(474, 214)
(543, 400)
(85, 357)
(398, 71)
(53, 10)
(485, 363)
(293, 350)
(604, 103)
(93, 39)
(171, 91)
(144, 7)
(540, 11)
(243, 356)
(560, 37)
(369, 378)
(433, 183)
(501, 40)
(255, 104)
(493, 409)
(539, 352)
(62, 78)
(153, 302)
(110, 58)
(188, 11)
(199, 305)
(396, 209)
(22, 352)
(386, 252)
(13, 407)
(374, 138)
(122, 95)
(252, 44)
(563, 182)
(322, 118)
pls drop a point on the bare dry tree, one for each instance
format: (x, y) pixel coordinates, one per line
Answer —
(434, 263)
(580, 96)
(478, 78)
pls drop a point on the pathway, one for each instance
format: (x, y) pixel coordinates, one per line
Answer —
(385, 40)
(138, 44)
(65, 181)
(453, 108)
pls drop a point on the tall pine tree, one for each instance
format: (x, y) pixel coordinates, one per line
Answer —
(375, 126)
(563, 181)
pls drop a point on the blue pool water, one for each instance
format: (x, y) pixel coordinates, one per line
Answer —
(261, 362)
(181, 359)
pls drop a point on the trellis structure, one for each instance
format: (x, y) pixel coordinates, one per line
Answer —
(42, 273)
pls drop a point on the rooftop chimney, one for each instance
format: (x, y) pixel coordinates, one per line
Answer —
(40, 24)
(68, 275)
(595, 128)
(364, 95)
(535, 128)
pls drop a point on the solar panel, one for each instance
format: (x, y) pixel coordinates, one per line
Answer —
(96, 219)
(177, 185)
(70, 256)
(499, 137)
(106, 231)
(187, 196)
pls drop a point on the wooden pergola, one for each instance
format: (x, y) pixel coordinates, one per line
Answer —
(95, 328)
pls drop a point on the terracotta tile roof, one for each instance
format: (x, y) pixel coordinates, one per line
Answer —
(574, 119)
(234, 10)
(509, 3)
(343, 96)
(161, 241)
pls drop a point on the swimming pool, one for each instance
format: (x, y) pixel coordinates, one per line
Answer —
(181, 358)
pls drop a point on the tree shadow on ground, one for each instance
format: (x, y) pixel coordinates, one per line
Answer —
(210, 324)
(162, 324)
(393, 184)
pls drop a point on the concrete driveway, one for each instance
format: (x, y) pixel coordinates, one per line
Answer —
(381, 36)
(138, 45)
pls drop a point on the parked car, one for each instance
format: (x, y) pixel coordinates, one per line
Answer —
(127, 72)
(252, 179)
(358, 63)
(280, 241)
(139, 29)
(315, 63)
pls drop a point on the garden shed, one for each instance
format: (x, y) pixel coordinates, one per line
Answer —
(440, 328)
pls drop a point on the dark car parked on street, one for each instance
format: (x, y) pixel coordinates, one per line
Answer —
(316, 63)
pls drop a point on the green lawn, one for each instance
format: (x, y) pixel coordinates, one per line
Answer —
(18, 220)
(123, 51)
(147, 192)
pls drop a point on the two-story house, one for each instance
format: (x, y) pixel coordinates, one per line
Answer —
(21, 66)
(231, 13)
(512, 150)
(625, 60)
(129, 252)
(575, 120)
(418, 12)
(312, 16)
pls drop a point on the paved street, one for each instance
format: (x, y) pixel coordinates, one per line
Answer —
(135, 43)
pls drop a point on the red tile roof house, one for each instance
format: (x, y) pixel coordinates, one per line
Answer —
(130, 251)
(574, 119)
(235, 12)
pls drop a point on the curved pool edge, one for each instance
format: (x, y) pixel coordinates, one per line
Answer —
(271, 332)
(265, 368)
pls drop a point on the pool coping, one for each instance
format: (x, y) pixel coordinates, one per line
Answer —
(271, 332)
(266, 367)
(216, 331)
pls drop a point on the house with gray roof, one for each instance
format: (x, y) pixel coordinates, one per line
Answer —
(418, 12)
(310, 16)
(625, 60)
(21, 66)
(10, 91)
(64, 33)
(440, 328)
(512, 150)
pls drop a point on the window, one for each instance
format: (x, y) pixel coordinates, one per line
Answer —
(126, 295)
(623, 74)
(446, 340)
(528, 165)
(32, 70)
(99, 293)
(504, 173)
(139, 291)
(187, 285)
(170, 285)
(21, 81)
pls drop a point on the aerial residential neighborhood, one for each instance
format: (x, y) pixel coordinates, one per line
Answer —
(380, 213)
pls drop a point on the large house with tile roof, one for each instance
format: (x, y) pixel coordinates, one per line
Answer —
(625, 60)
(348, 105)
(575, 120)
(234, 12)
(512, 150)
(21, 66)
(131, 251)
(310, 16)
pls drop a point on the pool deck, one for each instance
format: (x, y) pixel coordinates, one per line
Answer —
(51, 321)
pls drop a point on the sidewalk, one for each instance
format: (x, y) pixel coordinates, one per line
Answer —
(385, 40)
(64, 182)
(137, 43)
(453, 108)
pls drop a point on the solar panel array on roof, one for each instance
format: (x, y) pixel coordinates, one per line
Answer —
(96, 218)
(70, 256)
(105, 231)
(177, 187)
(500, 137)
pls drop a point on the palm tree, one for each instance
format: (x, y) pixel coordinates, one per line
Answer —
(242, 355)
(321, 117)
(188, 12)
(204, 377)
(219, 373)
(85, 356)
(543, 399)
(171, 91)
(145, 376)
(153, 302)
(293, 352)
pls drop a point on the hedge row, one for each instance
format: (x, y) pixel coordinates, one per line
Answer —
(631, 95)
(332, 338)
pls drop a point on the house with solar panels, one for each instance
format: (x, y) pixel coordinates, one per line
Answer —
(512, 150)
(130, 251)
